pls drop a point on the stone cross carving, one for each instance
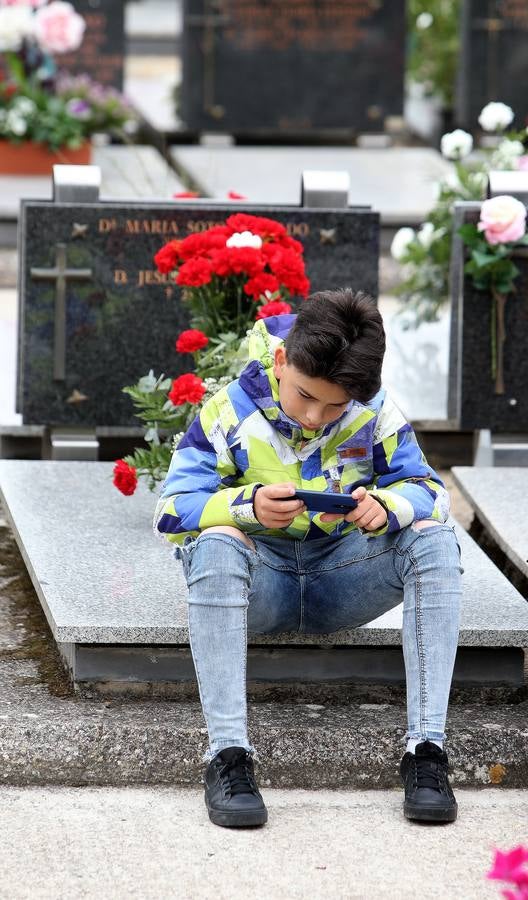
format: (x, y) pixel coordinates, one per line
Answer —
(60, 274)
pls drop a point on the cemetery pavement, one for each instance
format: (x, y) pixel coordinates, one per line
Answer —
(158, 843)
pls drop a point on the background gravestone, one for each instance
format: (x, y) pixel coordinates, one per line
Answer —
(101, 54)
(472, 402)
(121, 315)
(296, 67)
(493, 58)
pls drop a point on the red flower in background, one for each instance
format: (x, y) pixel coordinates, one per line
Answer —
(125, 477)
(167, 258)
(186, 389)
(191, 340)
(232, 195)
(275, 308)
(260, 284)
(194, 273)
(185, 195)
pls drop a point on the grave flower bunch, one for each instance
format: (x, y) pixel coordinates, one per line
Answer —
(498, 236)
(37, 104)
(230, 275)
(425, 254)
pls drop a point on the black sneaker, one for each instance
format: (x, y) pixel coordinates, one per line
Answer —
(231, 793)
(428, 794)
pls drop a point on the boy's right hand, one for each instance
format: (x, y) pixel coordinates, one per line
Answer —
(273, 512)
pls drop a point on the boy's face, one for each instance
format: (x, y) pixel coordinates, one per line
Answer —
(312, 402)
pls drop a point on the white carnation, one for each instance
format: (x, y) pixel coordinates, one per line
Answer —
(401, 241)
(495, 117)
(456, 144)
(244, 239)
(16, 23)
(24, 106)
(16, 124)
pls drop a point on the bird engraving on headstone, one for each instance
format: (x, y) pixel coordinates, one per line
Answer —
(60, 274)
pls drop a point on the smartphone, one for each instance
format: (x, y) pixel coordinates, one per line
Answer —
(325, 501)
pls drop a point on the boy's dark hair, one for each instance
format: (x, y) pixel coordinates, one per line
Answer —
(339, 336)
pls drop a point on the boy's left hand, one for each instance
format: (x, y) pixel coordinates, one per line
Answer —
(368, 514)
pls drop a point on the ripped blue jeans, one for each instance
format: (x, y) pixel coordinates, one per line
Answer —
(317, 587)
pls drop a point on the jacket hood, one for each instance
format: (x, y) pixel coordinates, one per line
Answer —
(260, 384)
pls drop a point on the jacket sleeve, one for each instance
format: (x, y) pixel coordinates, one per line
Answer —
(404, 483)
(196, 492)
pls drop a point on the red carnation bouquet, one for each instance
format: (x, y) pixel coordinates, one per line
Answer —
(231, 275)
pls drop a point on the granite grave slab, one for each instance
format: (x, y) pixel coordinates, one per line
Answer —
(105, 583)
(303, 67)
(88, 269)
(493, 59)
(472, 401)
(497, 497)
(399, 182)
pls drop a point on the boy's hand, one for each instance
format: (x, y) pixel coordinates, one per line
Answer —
(368, 514)
(273, 512)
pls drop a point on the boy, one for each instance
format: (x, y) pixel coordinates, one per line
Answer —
(307, 411)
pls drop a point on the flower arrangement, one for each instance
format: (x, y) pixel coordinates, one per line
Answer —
(500, 232)
(425, 254)
(232, 274)
(512, 867)
(36, 103)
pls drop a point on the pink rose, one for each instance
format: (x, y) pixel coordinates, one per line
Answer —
(58, 28)
(522, 163)
(32, 3)
(502, 219)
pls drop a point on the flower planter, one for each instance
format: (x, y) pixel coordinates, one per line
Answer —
(30, 158)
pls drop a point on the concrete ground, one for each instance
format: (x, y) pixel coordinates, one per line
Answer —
(158, 843)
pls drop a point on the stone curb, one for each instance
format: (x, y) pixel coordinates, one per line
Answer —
(298, 746)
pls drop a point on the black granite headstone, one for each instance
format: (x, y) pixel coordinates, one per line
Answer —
(101, 54)
(296, 67)
(472, 401)
(493, 59)
(121, 316)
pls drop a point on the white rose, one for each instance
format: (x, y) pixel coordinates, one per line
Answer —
(244, 239)
(507, 155)
(16, 124)
(426, 235)
(24, 106)
(456, 144)
(401, 241)
(495, 117)
(16, 23)
(424, 20)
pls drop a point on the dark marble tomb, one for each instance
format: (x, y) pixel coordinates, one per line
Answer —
(493, 59)
(120, 316)
(472, 401)
(296, 68)
(101, 54)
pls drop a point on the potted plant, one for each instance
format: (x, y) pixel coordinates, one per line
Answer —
(47, 117)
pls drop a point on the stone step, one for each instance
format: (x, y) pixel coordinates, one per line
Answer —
(50, 741)
(114, 597)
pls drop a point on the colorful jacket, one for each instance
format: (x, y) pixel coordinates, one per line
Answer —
(242, 439)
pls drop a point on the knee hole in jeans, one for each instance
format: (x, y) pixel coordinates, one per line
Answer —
(232, 532)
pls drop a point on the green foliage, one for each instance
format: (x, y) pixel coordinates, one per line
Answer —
(490, 266)
(433, 50)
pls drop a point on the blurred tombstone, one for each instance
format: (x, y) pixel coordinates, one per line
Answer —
(101, 54)
(302, 67)
(493, 58)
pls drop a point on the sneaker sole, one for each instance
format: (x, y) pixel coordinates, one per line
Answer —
(238, 819)
(431, 813)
